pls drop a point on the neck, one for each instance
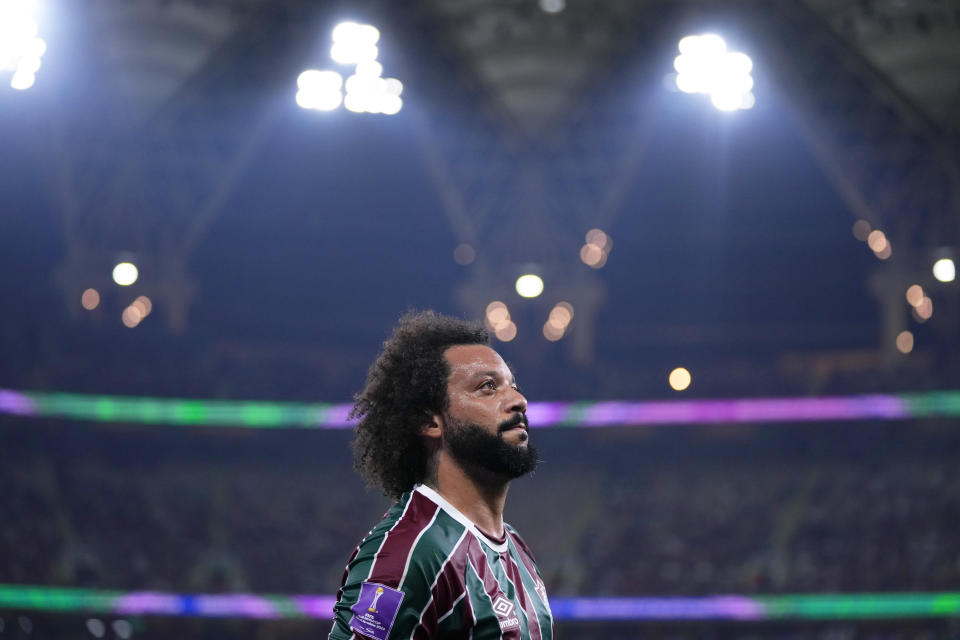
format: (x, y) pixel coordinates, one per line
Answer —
(476, 493)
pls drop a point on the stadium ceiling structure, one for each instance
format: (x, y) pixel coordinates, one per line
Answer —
(874, 88)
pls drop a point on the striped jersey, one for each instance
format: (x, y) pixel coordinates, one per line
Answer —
(427, 571)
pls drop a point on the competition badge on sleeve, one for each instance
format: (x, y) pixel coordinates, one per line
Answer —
(375, 610)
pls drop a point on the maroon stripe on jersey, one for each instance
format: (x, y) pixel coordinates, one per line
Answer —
(391, 559)
(478, 559)
(513, 572)
(447, 588)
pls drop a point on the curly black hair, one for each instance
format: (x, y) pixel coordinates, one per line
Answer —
(405, 385)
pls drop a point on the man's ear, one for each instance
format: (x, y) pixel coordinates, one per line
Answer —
(433, 428)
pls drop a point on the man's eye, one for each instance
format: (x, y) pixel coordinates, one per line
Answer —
(489, 384)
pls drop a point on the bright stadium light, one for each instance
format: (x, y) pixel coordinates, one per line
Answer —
(369, 68)
(125, 274)
(679, 379)
(529, 285)
(366, 90)
(21, 50)
(944, 270)
(354, 43)
(706, 66)
(373, 94)
(319, 90)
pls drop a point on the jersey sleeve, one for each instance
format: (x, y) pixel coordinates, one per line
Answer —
(380, 608)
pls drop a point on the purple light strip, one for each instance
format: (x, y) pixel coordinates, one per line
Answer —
(245, 605)
(316, 606)
(604, 414)
(148, 602)
(16, 403)
(726, 607)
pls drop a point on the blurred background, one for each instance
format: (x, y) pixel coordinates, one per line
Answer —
(716, 241)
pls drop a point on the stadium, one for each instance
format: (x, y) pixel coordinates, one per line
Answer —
(715, 242)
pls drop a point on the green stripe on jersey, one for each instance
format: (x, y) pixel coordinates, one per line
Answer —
(508, 588)
(544, 617)
(429, 554)
(488, 624)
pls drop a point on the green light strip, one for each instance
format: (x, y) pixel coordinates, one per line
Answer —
(864, 605)
(57, 598)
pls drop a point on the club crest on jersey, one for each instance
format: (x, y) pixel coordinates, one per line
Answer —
(541, 591)
(375, 610)
(504, 610)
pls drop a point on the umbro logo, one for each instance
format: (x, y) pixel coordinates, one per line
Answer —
(504, 608)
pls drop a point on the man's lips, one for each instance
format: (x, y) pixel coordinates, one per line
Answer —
(519, 424)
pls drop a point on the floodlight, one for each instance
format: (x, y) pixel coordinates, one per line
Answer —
(529, 285)
(22, 81)
(393, 86)
(679, 379)
(319, 90)
(125, 274)
(390, 105)
(20, 48)
(369, 68)
(706, 66)
(944, 270)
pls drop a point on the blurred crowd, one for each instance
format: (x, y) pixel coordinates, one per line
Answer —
(628, 512)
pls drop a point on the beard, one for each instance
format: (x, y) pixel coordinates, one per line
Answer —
(488, 456)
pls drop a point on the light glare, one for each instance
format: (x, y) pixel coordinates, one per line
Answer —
(464, 254)
(679, 379)
(20, 48)
(560, 316)
(861, 229)
(497, 314)
(914, 295)
(369, 68)
(944, 270)
(22, 81)
(353, 53)
(507, 332)
(551, 332)
(905, 342)
(131, 317)
(125, 274)
(529, 285)
(143, 305)
(706, 66)
(877, 240)
(90, 299)
(319, 90)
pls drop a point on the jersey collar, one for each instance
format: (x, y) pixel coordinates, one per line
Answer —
(435, 497)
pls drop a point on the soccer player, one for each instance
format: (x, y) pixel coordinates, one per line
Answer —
(442, 427)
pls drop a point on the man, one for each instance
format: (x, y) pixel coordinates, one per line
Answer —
(443, 428)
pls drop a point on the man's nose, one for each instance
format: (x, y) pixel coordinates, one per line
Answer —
(518, 403)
